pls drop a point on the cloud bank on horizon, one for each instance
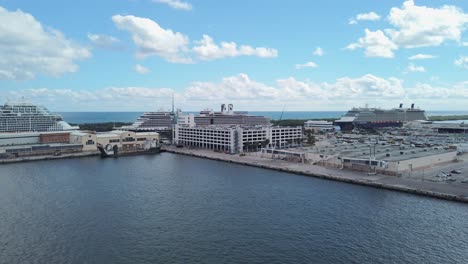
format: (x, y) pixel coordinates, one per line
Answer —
(131, 61)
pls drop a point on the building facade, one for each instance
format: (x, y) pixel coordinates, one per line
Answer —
(319, 126)
(126, 140)
(235, 139)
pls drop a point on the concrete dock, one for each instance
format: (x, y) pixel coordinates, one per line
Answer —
(50, 157)
(447, 191)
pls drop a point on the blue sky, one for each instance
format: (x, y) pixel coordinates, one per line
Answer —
(132, 55)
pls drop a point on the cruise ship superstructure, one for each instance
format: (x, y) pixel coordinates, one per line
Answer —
(27, 117)
(165, 120)
(153, 121)
(375, 117)
(227, 116)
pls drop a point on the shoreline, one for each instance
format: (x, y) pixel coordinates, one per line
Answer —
(48, 157)
(444, 191)
(431, 189)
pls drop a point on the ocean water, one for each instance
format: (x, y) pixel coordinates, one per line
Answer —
(171, 208)
(101, 117)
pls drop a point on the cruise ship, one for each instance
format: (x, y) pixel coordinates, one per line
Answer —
(153, 121)
(375, 117)
(27, 117)
(227, 116)
(161, 121)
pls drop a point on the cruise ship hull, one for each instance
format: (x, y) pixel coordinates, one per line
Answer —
(346, 126)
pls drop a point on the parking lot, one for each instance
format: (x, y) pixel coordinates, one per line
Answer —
(431, 174)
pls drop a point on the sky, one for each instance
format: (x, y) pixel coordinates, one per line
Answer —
(260, 55)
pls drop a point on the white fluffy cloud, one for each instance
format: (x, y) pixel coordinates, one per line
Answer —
(141, 69)
(107, 99)
(422, 57)
(103, 41)
(413, 68)
(421, 26)
(309, 64)
(176, 4)
(152, 39)
(249, 94)
(318, 52)
(375, 44)
(239, 89)
(367, 86)
(371, 16)
(462, 62)
(27, 49)
(414, 26)
(206, 49)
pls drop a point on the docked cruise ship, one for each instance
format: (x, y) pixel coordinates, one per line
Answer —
(153, 121)
(375, 117)
(27, 117)
(227, 116)
(165, 120)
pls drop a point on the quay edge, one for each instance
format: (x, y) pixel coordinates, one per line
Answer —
(368, 183)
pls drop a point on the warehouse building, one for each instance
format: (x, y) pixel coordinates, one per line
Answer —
(13, 145)
(126, 140)
(387, 159)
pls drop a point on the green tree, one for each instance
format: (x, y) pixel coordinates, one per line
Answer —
(310, 137)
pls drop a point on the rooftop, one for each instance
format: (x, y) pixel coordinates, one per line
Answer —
(382, 152)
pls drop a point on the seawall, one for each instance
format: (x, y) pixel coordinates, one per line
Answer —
(49, 157)
(402, 185)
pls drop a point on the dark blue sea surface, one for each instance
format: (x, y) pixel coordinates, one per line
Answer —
(171, 208)
(101, 117)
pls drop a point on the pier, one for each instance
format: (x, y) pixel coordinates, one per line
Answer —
(446, 191)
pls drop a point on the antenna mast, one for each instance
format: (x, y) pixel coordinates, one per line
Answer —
(173, 103)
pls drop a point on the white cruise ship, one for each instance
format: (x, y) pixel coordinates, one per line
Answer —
(375, 117)
(27, 117)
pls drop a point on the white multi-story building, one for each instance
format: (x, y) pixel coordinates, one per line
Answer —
(235, 138)
(281, 137)
(319, 125)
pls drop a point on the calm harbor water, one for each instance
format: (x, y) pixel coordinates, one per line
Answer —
(171, 208)
(101, 117)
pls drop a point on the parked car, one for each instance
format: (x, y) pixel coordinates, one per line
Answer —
(456, 171)
(442, 175)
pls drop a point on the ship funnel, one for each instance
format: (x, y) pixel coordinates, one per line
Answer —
(223, 107)
(412, 106)
(230, 107)
(401, 105)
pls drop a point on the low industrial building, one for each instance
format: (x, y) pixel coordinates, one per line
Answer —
(387, 159)
(87, 139)
(39, 150)
(451, 128)
(11, 139)
(126, 140)
(319, 126)
(13, 145)
(235, 139)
